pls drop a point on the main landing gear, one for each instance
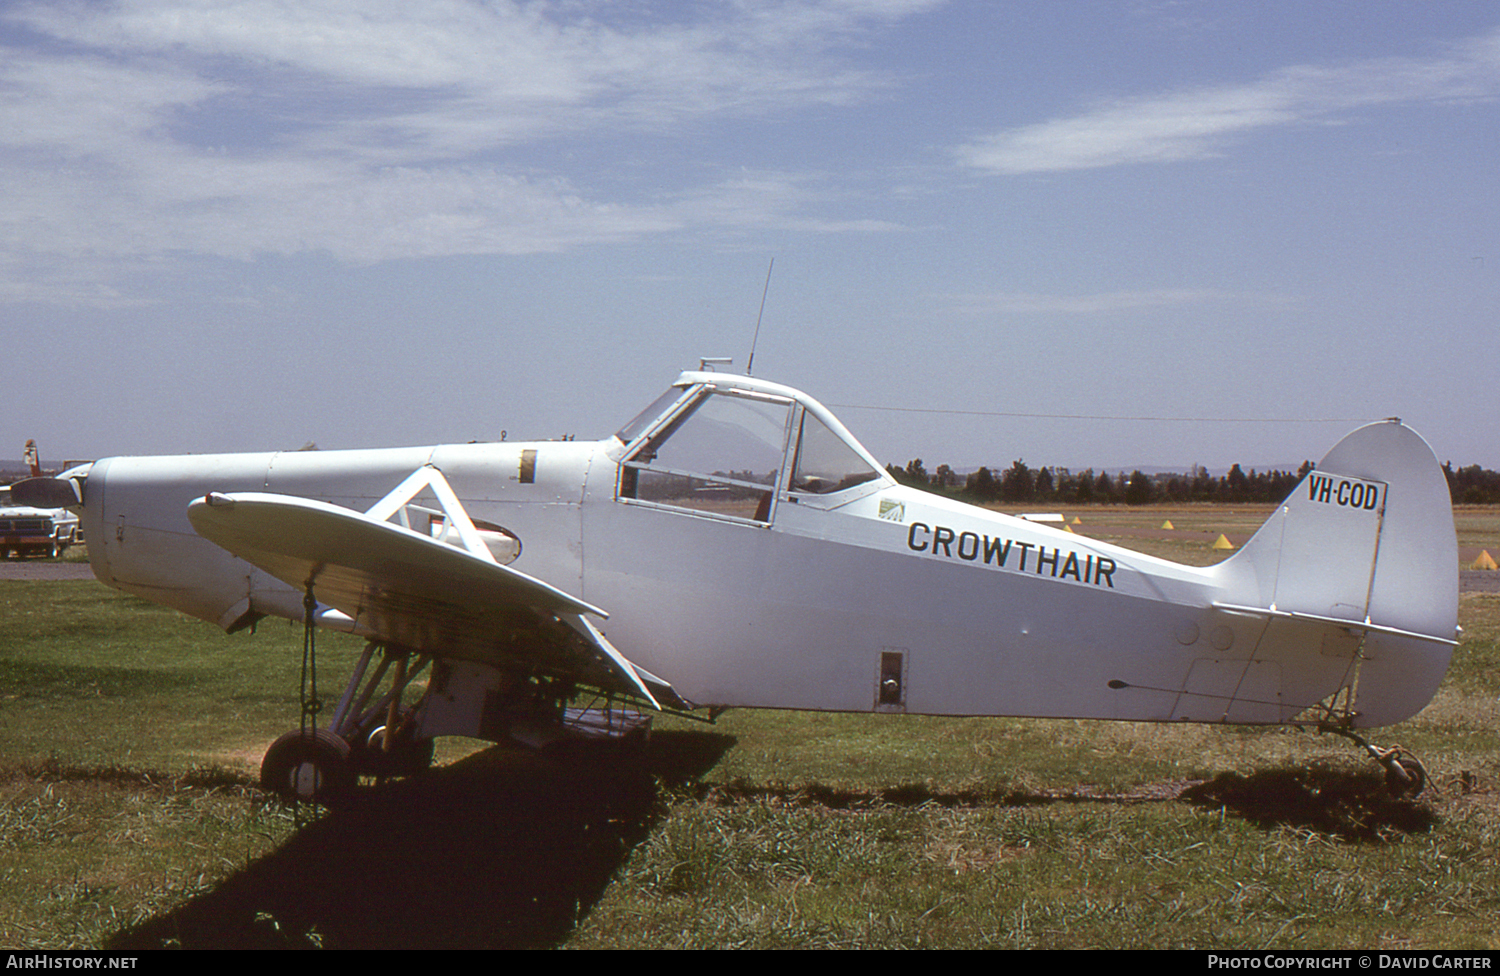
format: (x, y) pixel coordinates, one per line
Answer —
(367, 736)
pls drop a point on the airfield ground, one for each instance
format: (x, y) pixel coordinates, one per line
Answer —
(129, 737)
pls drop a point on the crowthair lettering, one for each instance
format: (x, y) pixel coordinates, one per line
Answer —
(1070, 568)
(949, 543)
(911, 536)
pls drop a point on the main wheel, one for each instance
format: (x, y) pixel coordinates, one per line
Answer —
(310, 767)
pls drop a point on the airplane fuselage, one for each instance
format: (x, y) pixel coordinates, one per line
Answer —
(966, 610)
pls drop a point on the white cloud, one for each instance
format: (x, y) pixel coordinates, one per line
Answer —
(489, 71)
(378, 129)
(761, 200)
(1204, 122)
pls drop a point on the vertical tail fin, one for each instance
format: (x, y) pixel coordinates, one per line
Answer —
(1367, 537)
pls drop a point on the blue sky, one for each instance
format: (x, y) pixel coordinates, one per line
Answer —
(250, 224)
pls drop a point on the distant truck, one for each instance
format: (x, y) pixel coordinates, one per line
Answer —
(26, 531)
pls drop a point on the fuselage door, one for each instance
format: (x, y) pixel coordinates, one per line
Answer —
(723, 454)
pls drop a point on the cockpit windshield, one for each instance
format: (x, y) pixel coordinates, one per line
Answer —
(643, 419)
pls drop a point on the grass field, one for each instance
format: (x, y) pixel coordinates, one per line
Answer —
(129, 739)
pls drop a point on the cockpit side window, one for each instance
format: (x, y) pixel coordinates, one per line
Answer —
(825, 462)
(723, 456)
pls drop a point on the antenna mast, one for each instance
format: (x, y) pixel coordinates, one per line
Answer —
(750, 363)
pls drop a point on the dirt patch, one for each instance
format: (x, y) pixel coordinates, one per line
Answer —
(1478, 581)
(35, 569)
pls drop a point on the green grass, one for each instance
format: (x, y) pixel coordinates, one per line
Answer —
(130, 737)
(764, 874)
(87, 852)
(96, 676)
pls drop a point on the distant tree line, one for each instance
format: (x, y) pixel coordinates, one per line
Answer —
(1023, 484)
(1472, 485)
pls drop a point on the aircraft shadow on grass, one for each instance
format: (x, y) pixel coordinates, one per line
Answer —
(503, 849)
(509, 849)
(1329, 798)
(1332, 798)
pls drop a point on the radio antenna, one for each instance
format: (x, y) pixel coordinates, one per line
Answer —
(750, 363)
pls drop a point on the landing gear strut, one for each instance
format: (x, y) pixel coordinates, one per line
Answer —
(369, 735)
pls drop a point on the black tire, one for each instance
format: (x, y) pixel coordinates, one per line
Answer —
(309, 768)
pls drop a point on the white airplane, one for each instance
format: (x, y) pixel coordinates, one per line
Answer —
(733, 546)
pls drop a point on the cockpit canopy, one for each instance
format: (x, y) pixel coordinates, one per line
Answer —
(728, 446)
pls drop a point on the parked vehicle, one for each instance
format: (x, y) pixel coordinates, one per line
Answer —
(27, 531)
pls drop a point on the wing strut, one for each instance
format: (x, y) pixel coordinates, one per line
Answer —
(622, 664)
(424, 477)
(428, 476)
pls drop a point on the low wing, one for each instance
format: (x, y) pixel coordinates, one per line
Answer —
(415, 591)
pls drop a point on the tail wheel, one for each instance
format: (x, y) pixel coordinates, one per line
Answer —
(311, 767)
(1407, 779)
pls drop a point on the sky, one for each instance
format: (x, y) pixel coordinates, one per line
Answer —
(1089, 234)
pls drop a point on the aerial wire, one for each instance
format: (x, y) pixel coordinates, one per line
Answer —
(1080, 416)
(750, 363)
